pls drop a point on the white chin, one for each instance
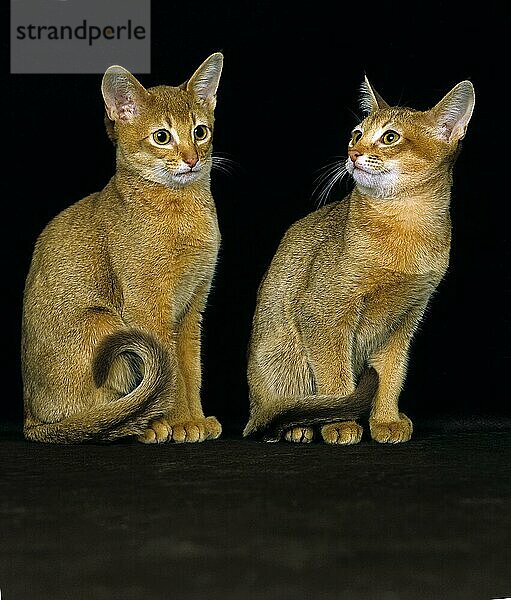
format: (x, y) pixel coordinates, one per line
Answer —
(184, 179)
(374, 184)
(364, 179)
(169, 179)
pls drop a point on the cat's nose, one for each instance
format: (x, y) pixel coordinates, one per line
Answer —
(353, 154)
(191, 160)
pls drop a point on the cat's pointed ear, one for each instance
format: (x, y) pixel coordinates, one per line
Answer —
(452, 114)
(123, 94)
(370, 100)
(204, 82)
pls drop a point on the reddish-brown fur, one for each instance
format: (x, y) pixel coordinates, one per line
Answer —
(119, 280)
(350, 282)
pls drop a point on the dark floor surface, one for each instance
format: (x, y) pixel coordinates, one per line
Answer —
(236, 519)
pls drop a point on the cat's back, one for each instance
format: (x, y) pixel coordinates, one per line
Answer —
(310, 233)
(305, 240)
(67, 247)
(68, 228)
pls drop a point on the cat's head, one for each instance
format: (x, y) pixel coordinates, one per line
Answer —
(163, 133)
(395, 149)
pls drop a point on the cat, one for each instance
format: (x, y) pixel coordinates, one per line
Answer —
(343, 296)
(119, 280)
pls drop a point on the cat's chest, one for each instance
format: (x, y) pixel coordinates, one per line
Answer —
(180, 237)
(384, 299)
(163, 259)
(383, 304)
(410, 255)
(411, 246)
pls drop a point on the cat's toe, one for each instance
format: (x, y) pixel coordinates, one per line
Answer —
(212, 428)
(187, 432)
(156, 433)
(303, 435)
(393, 432)
(196, 430)
(344, 433)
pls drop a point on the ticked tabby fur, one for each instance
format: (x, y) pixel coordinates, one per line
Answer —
(343, 296)
(119, 280)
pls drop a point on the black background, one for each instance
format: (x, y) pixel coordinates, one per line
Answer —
(286, 105)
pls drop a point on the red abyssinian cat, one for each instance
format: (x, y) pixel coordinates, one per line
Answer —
(340, 303)
(119, 280)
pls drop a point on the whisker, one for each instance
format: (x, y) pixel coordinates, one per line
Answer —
(324, 177)
(219, 166)
(334, 162)
(319, 181)
(320, 189)
(224, 164)
(329, 187)
(324, 184)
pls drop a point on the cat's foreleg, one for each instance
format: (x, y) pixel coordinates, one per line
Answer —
(189, 422)
(386, 423)
(186, 421)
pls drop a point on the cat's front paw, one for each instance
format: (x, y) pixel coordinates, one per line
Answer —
(299, 435)
(344, 433)
(392, 432)
(194, 430)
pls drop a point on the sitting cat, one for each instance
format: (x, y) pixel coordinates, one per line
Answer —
(119, 280)
(338, 307)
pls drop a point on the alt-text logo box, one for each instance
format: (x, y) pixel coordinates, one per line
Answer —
(80, 36)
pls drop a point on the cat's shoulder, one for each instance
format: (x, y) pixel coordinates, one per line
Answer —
(69, 221)
(331, 216)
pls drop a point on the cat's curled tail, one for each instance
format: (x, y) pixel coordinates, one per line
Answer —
(316, 410)
(127, 415)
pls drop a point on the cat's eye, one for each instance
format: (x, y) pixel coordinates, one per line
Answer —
(200, 132)
(162, 137)
(355, 136)
(389, 137)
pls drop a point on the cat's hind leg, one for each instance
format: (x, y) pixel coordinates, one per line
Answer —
(329, 349)
(111, 380)
(296, 386)
(278, 371)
